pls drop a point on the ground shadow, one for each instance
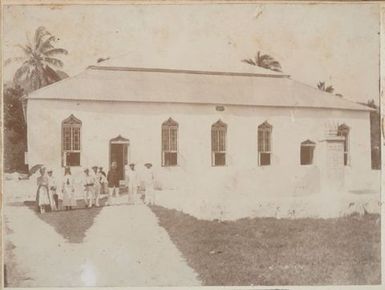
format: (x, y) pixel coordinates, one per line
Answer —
(71, 224)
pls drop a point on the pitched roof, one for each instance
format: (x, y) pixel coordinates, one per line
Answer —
(261, 88)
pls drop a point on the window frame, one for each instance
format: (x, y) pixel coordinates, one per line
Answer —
(168, 126)
(75, 144)
(263, 129)
(307, 144)
(219, 132)
(344, 131)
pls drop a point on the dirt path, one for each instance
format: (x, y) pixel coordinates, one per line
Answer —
(124, 247)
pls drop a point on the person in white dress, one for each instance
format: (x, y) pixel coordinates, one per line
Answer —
(52, 186)
(68, 190)
(148, 178)
(42, 194)
(132, 183)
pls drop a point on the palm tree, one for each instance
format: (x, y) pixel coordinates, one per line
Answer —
(328, 89)
(39, 65)
(265, 61)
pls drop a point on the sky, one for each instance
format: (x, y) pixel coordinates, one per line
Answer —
(336, 43)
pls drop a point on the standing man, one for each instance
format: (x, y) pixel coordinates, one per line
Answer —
(132, 182)
(97, 185)
(103, 181)
(52, 186)
(148, 178)
(89, 187)
(113, 182)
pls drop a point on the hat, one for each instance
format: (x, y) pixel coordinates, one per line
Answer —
(94, 167)
(49, 170)
(132, 164)
(147, 164)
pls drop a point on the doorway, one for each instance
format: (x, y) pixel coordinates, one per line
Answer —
(119, 154)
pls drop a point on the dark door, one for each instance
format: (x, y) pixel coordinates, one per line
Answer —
(118, 154)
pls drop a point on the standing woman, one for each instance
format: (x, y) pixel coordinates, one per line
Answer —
(54, 198)
(42, 194)
(68, 190)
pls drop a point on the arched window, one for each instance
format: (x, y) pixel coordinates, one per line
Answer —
(218, 143)
(343, 130)
(307, 152)
(264, 144)
(169, 143)
(71, 141)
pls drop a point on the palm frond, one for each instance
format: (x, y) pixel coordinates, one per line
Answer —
(40, 33)
(24, 70)
(35, 72)
(46, 44)
(26, 49)
(28, 37)
(51, 75)
(55, 51)
(321, 86)
(329, 89)
(267, 61)
(14, 59)
(53, 61)
(249, 61)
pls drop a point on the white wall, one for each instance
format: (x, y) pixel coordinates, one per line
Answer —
(141, 123)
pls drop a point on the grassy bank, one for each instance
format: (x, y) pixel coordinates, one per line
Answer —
(268, 251)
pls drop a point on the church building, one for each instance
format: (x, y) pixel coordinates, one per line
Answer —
(206, 132)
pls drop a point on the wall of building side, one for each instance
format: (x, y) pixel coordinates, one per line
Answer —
(141, 124)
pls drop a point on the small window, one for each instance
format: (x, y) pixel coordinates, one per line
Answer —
(71, 141)
(169, 143)
(343, 131)
(264, 144)
(218, 143)
(307, 152)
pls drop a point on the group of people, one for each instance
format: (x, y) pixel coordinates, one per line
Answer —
(95, 184)
(135, 183)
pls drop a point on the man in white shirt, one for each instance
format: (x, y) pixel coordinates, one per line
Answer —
(132, 183)
(89, 189)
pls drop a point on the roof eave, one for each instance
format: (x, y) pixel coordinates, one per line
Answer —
(201, 72)
(363, 109)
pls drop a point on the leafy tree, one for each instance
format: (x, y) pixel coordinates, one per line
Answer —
(265, 61)
(328, 89)
(15, 129)
(38, 62)
(39, 67)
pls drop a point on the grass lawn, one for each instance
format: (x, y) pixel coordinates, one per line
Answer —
(73, 224)
(269, 251)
